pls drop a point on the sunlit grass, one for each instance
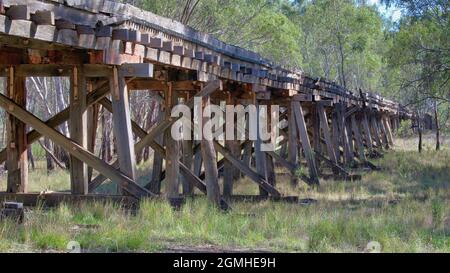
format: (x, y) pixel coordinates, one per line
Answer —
(405, 207)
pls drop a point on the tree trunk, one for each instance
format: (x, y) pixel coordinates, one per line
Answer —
(31, 158)
(420, 138)
(50, 163)
(436, 120)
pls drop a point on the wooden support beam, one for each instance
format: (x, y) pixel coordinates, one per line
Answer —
(367, 133)
(326, 132)
(55, 199)
(351, 146)
(304, 138)
(186, 158)
(210, 162)
(158, 130)
(92, 125)
(246, 170)
(382, 130)
(187, 173)
(16, 140)
(172, 150)
(230, 172)
(387, 126)
(74, 149)
(122, 124)
(334, 166)
(270, 165)
(292, 144)
(316, 123)
(146, 140)
(336, 134)
(376, 131)
(260, 158)
(61, 117)
(155, 182)
(358, 139)
(344, 135)
(78, 129)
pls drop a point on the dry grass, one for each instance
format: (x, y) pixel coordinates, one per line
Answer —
(405, 207)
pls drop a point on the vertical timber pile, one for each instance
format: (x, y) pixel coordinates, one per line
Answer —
(209, 156)
(155, 182)
(260, 157)
(172, 150)
(16, 150)
(122, 125)
(78, 129)
(292, 145)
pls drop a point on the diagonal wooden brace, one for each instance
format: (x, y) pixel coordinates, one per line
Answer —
(61, 117)
(245, 169)
(146, 139)
(74, 149)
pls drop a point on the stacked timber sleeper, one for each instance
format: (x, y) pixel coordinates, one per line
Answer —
(123, 33)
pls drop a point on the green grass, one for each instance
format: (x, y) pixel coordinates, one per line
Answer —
(405, 207)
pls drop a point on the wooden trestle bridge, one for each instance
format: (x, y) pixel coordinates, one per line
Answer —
(109, 49)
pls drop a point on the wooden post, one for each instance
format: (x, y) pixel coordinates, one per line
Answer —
(92, 124)
(376, 131)
(358, 138)
(260, 158)
(335, 127)
(122, 125)
(210, 163)
(303, 133)
(17, 158)
(187, 157)
(367, 133)
(270, 165)
(387, 127)
(248, 147)
(384, 140)
(348, 157)
(172, 150)
(292, 144)
(327, 135)
(326, 132)
(155, 182)
(230, 172)
(315, 120)
(351, 147)
(198, 162)
(78, 129)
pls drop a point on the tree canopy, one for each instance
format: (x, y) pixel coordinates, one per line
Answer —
(350, 42)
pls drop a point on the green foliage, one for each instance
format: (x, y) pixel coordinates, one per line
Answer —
(257, 25)
(342, 42)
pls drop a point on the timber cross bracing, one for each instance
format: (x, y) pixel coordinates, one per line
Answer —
(118, 48)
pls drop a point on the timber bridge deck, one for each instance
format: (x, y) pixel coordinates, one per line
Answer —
(108, 49)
